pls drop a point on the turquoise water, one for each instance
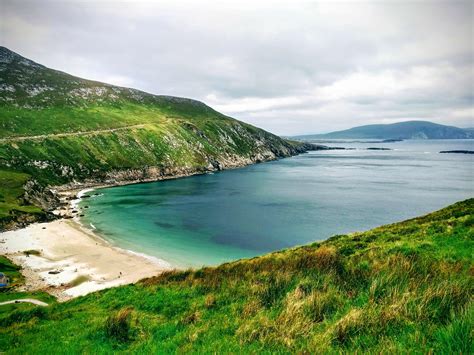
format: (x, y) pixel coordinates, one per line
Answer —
(212, 218)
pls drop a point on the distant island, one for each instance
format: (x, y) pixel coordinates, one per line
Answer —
(397, 131)
(458, 151)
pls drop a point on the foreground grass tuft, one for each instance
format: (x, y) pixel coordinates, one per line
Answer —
(118, 325)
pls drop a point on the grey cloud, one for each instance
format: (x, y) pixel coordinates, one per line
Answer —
(268, 64)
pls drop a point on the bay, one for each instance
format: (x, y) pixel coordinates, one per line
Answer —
(214, 218)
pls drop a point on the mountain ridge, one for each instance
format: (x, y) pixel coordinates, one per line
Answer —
(32, 91)
(399, 130)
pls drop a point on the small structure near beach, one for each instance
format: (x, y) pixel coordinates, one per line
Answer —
(3, 280)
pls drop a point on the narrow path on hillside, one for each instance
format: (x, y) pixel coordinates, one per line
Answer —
(68, 134)
(25, 300)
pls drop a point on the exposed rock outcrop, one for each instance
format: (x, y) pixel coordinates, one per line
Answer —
(39, 195)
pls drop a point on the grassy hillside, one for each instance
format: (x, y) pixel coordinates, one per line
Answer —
(405, 287)
(401, 130)
(58, 128)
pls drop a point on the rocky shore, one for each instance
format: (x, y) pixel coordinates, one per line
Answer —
(55, 200)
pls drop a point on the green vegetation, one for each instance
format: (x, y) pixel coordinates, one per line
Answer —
(405, 287)
(117, 325)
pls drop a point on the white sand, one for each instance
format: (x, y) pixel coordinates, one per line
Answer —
(74, 251)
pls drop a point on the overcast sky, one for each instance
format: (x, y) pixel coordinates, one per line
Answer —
(289, 67)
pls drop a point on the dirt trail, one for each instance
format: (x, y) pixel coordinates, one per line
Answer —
(68, 134)
(25, 300)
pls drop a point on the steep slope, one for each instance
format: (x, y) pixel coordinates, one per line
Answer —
(401, 288)
(59, 128)
(401, 130)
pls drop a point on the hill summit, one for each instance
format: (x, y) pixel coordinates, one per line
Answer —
(32, 85)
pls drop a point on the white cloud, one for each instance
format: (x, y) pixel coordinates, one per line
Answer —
(418, 81)
(252, 104)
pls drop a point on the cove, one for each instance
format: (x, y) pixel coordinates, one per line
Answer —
(214, 218)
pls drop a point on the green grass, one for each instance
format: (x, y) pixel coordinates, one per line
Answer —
(405, 287)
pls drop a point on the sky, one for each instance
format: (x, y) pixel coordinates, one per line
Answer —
(291, 67)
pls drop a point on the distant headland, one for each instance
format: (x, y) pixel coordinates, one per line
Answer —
(396, 131)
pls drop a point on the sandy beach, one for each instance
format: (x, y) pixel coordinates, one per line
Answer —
(68, 260)
(72, 261)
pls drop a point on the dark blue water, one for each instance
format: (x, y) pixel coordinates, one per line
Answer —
(208, 219)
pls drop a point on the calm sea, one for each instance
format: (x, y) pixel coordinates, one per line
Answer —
(212, 218)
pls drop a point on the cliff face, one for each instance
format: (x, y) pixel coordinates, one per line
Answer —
(66, 131)
(147, 152)
(155, 173)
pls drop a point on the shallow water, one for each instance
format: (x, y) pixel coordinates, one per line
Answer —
(209, 219)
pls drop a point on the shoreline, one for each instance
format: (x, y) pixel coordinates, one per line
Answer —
(91, 231)
(68, 260)
(83, 262)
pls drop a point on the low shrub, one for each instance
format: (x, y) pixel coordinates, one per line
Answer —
(79, 280)
(274, 288)
(118, 325)
(322, 305)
